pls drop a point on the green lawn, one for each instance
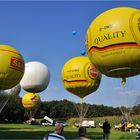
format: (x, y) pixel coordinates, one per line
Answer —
(25, 131)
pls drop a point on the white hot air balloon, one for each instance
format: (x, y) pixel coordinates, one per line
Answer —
(8, 95)
(36, 77)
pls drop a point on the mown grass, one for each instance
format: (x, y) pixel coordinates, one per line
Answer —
(25, 131)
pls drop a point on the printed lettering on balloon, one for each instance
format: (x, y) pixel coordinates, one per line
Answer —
(109, 36)
(92, 72)
(17, 64)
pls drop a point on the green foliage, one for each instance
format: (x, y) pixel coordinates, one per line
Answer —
(72, 121)
(57, 109)
(136, 119)
(136, 109)
(15, 112)
(113, 120)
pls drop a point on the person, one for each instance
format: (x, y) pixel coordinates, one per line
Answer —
(138, 134)
(82, 133)
(106, 130)
(57, 134)
(123, 123)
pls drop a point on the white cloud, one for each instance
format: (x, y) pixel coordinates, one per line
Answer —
(131, 93)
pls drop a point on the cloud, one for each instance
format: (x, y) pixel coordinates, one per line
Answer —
(126, 91)
(132, 93)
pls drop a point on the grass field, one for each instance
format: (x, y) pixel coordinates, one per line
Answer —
(37, 132)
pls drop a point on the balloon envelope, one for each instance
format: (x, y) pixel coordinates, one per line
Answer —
(112, 42)
(10, 92)
(74, 32)
(80, 77)
(36, 77)
(8, 95)
(12, 67)
(30, 101)
(83, 52)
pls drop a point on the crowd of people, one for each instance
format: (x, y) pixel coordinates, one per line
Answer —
(82, 133)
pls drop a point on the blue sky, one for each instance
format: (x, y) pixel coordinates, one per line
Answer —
(42, 31)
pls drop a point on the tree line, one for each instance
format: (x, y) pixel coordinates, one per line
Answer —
(15, 112)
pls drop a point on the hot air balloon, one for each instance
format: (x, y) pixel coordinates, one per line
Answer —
(30, 100)
(12, 67)
(83, 52)
(74, 32)
(31, 103)
(80, 77)
(36, 77)
(8, 95)
(113, 42)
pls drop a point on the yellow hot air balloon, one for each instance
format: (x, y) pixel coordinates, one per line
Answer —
(80, 77)
(11, 67)
(30, 101)
(113, 42)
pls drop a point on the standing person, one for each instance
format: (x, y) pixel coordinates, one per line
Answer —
(57, 134)
(106, 130)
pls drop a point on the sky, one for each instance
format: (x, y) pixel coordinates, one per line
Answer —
(42, 31)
